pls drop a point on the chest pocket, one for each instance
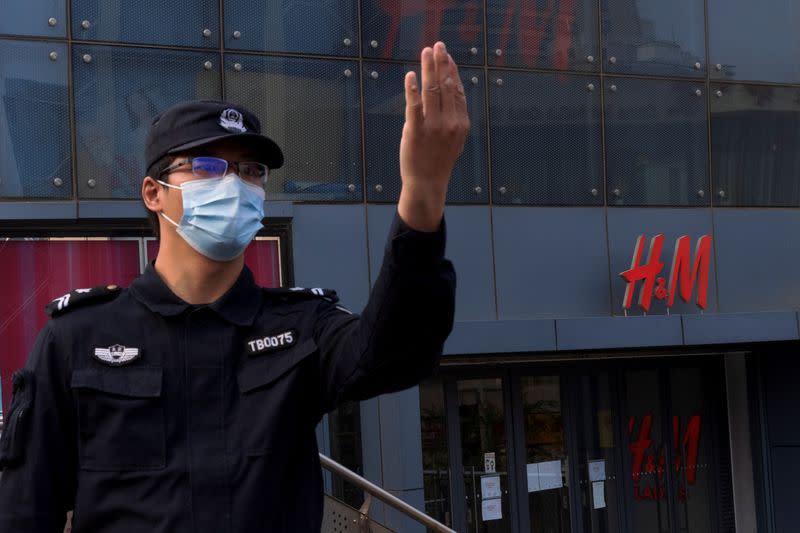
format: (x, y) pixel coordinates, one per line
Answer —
(120, 418)
(275, 397)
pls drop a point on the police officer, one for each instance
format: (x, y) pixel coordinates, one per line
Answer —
(188, 402)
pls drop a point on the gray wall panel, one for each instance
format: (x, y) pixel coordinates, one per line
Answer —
(626, 224)
(758, 252)
(739, 327)
(38, 210)
(618, 332)
(501, 336)
(551, 262)
(469, 247)
(329, 245)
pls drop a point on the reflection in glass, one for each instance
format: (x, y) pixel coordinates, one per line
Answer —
(162, 22)
(310, 107)
(117, 93)
(557, 34)
(545, 131)
(482, 423)
(771, 47)
(656, 143)
(384, 116)
(35, 159)
(33, 17)
(755, 145)
(399, 29)
(320, 27)
(600, 488)
(546, 455)
(654, 37)
(435, 457)
(344, 424)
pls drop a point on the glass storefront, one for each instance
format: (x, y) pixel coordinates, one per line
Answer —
(634, 446)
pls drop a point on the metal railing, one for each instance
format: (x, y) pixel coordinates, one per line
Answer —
(387, 498)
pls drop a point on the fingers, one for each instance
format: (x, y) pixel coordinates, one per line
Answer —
(448, 84)
(459, 98)
(431, 100)
(414, 114)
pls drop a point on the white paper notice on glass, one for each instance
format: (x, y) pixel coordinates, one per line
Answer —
(598, 494)
(597, 470)
(533, 477)
(490, 487)
(550, 475)
(492, 509)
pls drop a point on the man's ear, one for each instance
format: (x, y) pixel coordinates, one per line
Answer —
(150, 197)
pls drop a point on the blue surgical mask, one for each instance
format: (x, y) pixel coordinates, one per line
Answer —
(220, 215)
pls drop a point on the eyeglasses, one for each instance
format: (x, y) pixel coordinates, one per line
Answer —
(215, 167)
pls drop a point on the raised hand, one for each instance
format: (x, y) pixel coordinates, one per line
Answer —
(437, 124)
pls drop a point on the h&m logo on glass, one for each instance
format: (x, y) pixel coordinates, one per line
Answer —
(684, 274)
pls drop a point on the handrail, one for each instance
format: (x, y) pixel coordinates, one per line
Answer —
(381, 494)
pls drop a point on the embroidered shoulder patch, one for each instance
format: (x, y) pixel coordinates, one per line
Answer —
(81, 298)
(304, 293)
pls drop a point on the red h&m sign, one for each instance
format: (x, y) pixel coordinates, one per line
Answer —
(684, 275)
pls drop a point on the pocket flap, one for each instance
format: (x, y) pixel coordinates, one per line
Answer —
(133, 382)
(267, 369)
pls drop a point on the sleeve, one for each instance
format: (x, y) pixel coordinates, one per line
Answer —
(398, 339)
(37, 450)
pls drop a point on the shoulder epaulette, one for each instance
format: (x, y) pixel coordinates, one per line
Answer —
(303, 293)
(81, 298)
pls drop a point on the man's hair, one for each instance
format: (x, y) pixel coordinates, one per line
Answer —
(154, 172)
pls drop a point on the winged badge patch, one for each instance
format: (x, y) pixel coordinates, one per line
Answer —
(116, 355)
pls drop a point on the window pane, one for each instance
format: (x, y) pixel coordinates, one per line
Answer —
(33, 17)
(322, 27)
(117, 93)
(546, 455)
(656, 142)
(435, 457)
(555, 34)
(482, 423)
(654, 37)
(310, 107)
(399, 29)
(545, 131)
(166, 22)
(384, 103)
(344, 425)
(755, 145)
(771, 47)
(37, 271)
(601, 490)
(34, 113)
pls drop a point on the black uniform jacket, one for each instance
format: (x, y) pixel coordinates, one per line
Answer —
(146, 414)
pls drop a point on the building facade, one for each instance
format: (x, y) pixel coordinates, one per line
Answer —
(622, 222)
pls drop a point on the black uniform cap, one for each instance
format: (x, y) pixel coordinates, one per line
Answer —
(196, 123)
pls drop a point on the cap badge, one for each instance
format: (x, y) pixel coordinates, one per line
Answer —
(231, 120)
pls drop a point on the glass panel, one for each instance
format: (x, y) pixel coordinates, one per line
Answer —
(771, 47)
(384, 116)
(601, 491)
(310, 107)
(649, 509)
(482, 422)
(37, 271)
(656, 142)
(546, 455)
(400, 29)
(262, 257)
(654, 37)
(551, 34)
(164, 22)
(117, 92)
(545, 131)
(691, 450)
(344, 424)
(321, 27)
(34, 113)
(435, 457)
(42, 18)
(755, 145)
